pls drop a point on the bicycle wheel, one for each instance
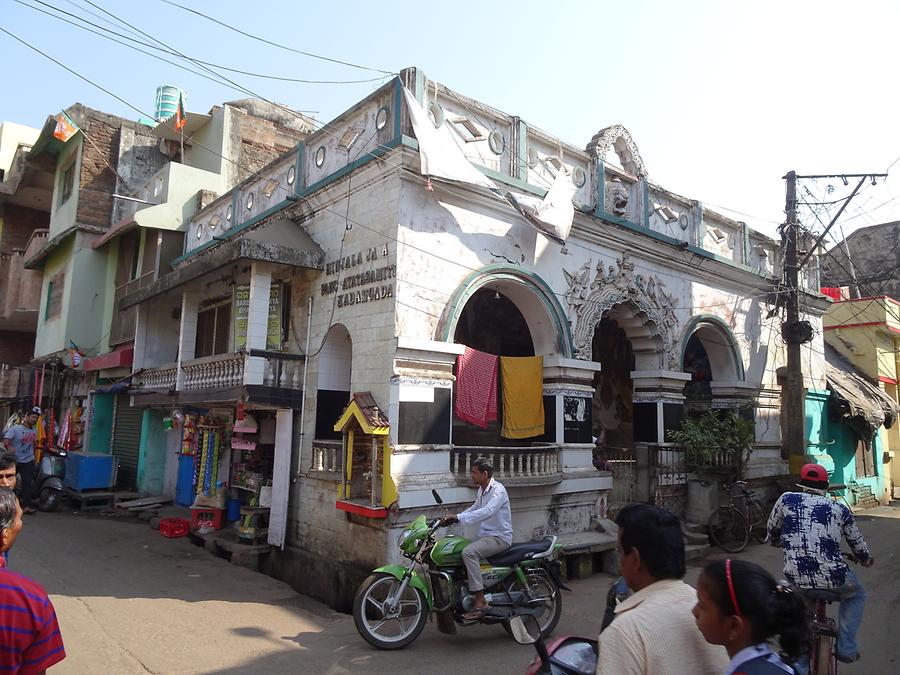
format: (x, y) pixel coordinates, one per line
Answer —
(758, 521)
(728, 529)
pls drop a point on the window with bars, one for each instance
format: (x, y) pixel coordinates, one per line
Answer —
(54, 296)
(213, 331)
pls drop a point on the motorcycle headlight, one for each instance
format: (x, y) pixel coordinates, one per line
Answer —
(403, 537)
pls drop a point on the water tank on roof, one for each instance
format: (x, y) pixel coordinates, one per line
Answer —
(167, 101)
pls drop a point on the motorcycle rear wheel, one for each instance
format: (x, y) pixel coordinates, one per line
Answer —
(542, 586)
(50, 499)
(380, 627)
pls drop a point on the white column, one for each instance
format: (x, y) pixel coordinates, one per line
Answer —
(187, 332)
(257, 321)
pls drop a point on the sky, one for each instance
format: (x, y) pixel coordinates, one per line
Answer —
(721, 98)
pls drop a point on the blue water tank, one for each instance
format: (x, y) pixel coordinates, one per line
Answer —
(167, 101)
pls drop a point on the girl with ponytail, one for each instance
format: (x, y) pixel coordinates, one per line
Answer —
(741, 607)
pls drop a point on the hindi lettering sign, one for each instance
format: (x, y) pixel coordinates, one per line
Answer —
(242, 312)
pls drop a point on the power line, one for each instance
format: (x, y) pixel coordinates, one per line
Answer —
(167, 49)
(275, 44)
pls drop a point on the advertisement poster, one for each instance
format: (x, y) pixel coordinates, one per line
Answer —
(242, 310)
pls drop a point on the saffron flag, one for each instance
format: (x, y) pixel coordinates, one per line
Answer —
(180, 119)
(65, 127)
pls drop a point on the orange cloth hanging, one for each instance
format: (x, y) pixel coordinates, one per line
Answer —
(522, 386)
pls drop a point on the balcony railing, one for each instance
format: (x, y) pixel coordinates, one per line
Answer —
(213, 372)
(162, 378)
(36, 242)
(533, 465)
(326, 457)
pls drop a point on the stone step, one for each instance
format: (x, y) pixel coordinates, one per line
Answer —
(695, 551)
(695, 538)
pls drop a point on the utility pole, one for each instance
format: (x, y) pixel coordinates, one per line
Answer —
(793, 446)
(794, 331)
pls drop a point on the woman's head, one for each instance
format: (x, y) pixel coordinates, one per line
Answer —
(740, 604)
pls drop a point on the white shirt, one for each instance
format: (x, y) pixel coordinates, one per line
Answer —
(654, 633)
(491, 509)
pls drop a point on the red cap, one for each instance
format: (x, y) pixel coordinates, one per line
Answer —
(815, 473)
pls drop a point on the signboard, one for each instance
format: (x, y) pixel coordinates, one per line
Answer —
(242, 311)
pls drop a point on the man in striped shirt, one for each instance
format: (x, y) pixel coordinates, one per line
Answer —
(30, 641)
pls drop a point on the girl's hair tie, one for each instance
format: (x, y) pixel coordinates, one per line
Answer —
(737, 608)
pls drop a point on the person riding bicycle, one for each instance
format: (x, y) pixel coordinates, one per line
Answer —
(809, 526)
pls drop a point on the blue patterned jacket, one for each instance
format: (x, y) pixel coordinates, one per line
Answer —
(810, 528)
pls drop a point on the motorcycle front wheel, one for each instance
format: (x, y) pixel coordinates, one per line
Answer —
(50, 499)
(544, 595)
(385, 627)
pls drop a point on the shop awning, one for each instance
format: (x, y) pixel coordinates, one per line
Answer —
(119, 358)
(862, 405)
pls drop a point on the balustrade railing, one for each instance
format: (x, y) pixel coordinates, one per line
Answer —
(533, 465)
(162, 377)
(212, 372)
(326, 456)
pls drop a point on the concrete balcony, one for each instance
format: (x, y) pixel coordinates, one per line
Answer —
(224, 378)
(20, 297)
(124, 321)
(10, 382)
(532, 465)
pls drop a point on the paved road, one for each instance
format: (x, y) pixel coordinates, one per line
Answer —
(131, 601)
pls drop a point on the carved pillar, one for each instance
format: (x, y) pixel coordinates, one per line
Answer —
(734, 394)
(569, 389)
(658, 403)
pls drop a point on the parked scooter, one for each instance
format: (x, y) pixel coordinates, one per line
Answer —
(392, 605)
(47, 486)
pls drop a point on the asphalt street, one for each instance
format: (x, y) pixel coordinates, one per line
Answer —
(132, 601)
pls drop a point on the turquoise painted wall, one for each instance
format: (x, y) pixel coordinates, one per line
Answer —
(100, 439)
(833, 445)
(151, 453)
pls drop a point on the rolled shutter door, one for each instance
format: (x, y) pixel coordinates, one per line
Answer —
(126, 441)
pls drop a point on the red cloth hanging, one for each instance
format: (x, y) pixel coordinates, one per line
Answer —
(476, 387)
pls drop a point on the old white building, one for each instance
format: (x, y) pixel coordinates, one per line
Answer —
(384, 275)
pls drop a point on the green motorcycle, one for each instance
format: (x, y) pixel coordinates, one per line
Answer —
(392, 605)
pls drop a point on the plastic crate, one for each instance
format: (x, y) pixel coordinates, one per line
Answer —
(173, 527)
(206, 518)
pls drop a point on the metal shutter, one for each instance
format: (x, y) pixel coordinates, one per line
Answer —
(126, 441)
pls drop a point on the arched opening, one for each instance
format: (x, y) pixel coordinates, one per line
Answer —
(333, 386)
(612, 406)
(698, 390)
(493, 323)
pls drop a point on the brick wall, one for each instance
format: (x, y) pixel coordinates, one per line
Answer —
(16, 348)
(261, 142)
(98, 179)
(18, 224)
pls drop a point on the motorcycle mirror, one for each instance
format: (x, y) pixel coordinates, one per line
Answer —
(437, 497)
(525, 629)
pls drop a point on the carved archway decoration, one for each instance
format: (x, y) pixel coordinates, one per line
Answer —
(650, 309)
(619, 139)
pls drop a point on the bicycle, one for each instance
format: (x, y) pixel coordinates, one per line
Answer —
(823, 629)
(731, 526)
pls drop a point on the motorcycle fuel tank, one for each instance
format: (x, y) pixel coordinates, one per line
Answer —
(447, 552)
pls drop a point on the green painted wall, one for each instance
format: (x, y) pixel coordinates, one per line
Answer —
(62, 216)
(51, 333)
(151, 453)
(100, 439)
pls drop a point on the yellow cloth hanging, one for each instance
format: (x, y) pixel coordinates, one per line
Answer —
(522, 385)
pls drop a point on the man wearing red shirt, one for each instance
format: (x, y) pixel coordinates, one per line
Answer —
(29, 633)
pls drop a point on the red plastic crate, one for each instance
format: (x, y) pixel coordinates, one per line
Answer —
(173, 527)
(206, 517)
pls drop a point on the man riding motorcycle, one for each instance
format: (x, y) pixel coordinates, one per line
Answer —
(491, 510)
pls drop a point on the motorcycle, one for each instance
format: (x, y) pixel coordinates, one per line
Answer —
(47, 486)
(392, 605)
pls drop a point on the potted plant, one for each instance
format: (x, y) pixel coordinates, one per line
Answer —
(716, 442)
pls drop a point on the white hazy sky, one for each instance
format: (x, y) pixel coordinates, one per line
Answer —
(722, 98)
